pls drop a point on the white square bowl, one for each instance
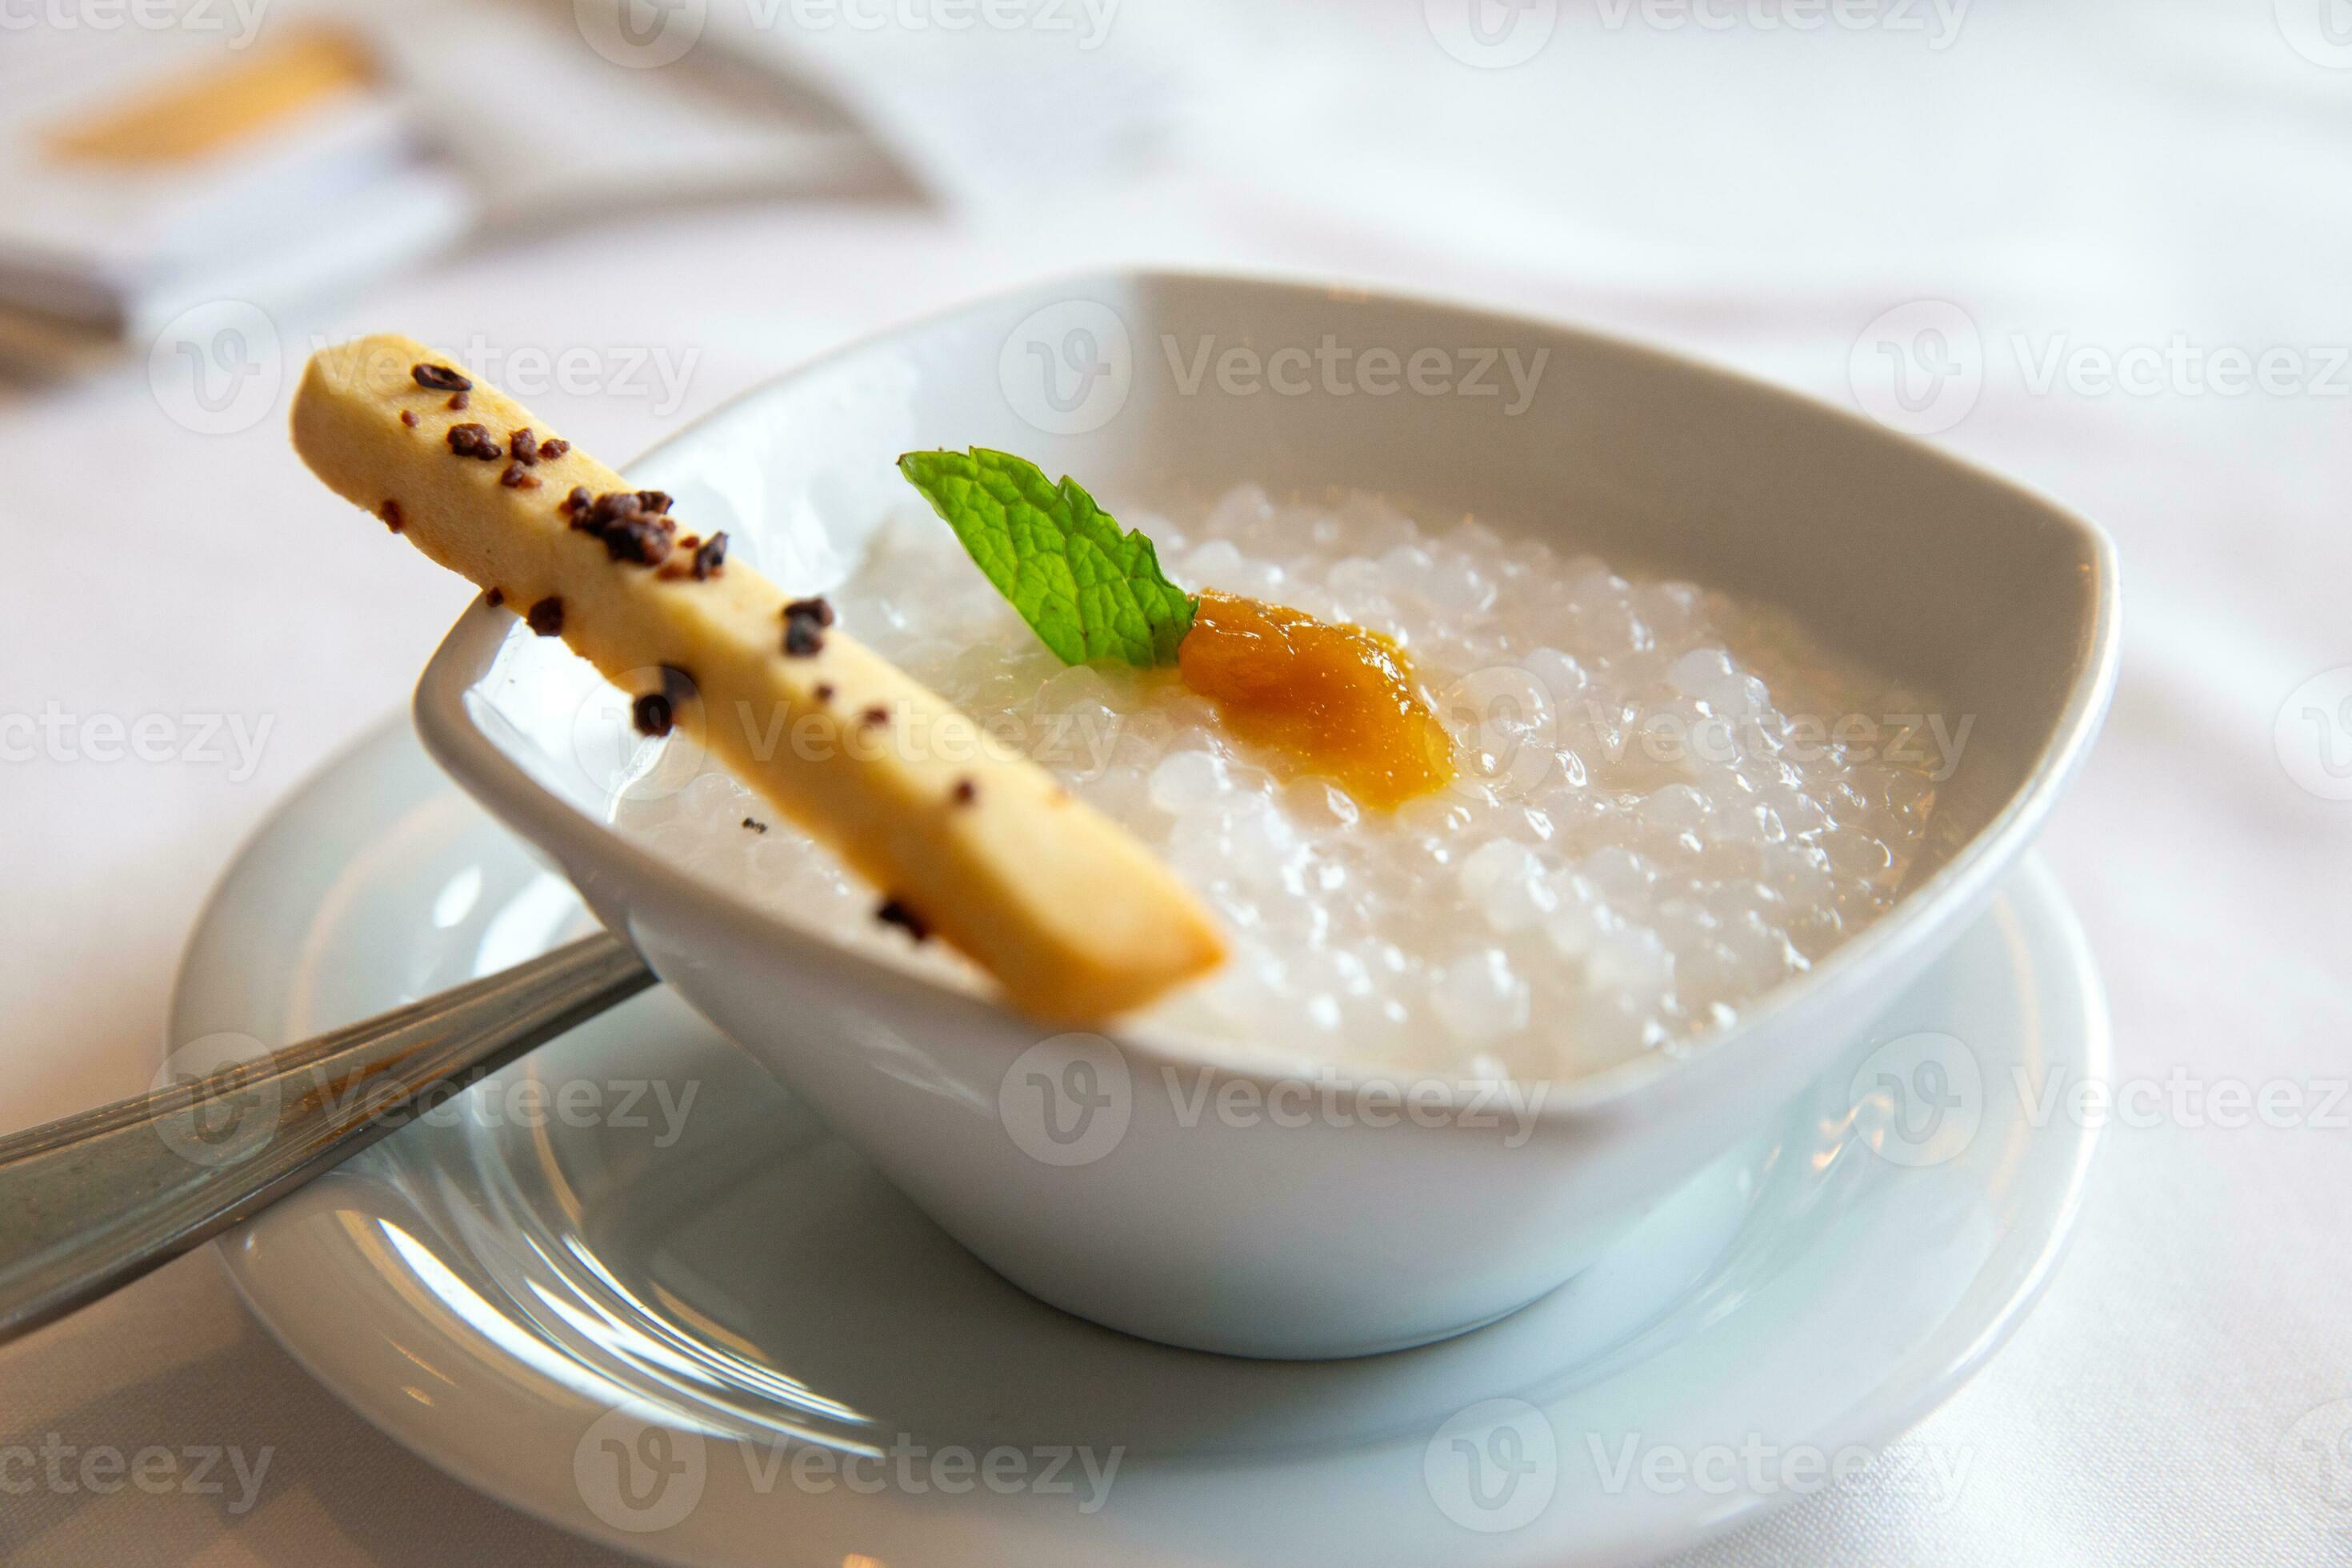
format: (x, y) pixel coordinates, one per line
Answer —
(1081, 1167)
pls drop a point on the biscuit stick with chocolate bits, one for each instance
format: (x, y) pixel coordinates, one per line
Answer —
(960, 838)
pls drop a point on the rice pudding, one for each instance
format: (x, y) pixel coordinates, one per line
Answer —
(1664, 802)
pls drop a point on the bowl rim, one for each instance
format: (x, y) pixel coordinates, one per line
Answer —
(480, 765)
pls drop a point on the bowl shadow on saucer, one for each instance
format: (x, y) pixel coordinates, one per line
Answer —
(764, 1276)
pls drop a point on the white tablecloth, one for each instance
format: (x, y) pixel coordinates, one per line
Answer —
(2093, 176)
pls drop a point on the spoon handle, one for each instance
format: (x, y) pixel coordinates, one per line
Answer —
(96, 1200)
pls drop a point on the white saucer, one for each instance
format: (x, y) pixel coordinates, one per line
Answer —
(680, 1344)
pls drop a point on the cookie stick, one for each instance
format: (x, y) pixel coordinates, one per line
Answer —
(1074, 918)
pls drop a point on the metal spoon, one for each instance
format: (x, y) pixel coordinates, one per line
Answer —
(94, 1201)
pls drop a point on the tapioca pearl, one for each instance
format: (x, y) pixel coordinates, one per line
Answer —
(1799, 872)
(1558, 673)
(1403, 569)
(1454, 588)
(1318, 804)
(1815, 930)
(1709, 973)
(1267, 852)
(1215, 564)
(709, 793)
(1607, 1027)
(1476, 997)
(1632, 963)
(1186, 781)
(1508, 884)
(1533, 556)
(1624, 878)
(1675, 808)
(1582, 920)
(1442, 815)
(1857, 855)
(1119, 791)
(1527, 824)
(1075, 684)
(1370, 523)
(1238, 510)
(1910, 797)
(1358, 578)
(1674, 610)
(1472, 539)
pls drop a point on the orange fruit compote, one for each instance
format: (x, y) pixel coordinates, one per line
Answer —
(1337, 701)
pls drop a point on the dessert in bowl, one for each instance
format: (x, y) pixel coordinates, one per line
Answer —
(1461, 1033)
(1645, 805)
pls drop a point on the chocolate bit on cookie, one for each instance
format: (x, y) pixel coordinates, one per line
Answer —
(546, 618)
(895, 912)
(522, 445)
(390, 513)
(870, 716)
(439, 378)
(458, 399)
(965, 792)
(825, 691)
(653, 715)
(755, 824)
(495, 597)
(408, 417)
(518, 477)
(804, 624)
(553, 448)
(631, 530)
(474, 441)
(710, 556)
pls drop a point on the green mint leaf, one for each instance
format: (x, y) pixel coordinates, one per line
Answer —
(1088, 589)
